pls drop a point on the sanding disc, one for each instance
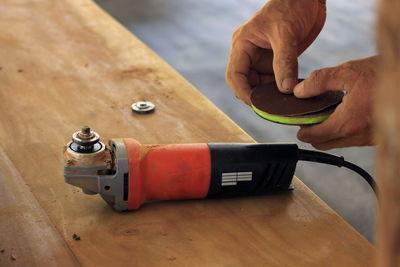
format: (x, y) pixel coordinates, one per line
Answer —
(269, 103)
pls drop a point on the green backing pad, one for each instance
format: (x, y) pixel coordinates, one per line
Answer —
(305, 120)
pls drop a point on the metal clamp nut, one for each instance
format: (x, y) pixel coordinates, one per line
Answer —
(85, 141)
(143, 107)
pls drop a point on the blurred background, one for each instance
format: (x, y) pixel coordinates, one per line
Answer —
(194, 37)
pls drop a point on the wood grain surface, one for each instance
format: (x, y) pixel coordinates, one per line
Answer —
(27, 237)
(64, 64)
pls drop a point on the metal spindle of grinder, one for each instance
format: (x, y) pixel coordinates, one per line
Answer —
(85, 141)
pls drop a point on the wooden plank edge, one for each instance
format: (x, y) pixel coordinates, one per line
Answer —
(27, 234)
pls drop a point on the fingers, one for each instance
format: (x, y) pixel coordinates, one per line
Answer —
(255, 78)
(263, 62)
(328, 130)
(328, 79)
(364, 139)
(283, 26)
(248, 66)
(351, 123)
(285, 63)
(238, 71)
(347, 126)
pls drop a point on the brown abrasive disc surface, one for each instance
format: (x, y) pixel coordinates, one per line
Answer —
(269, 99)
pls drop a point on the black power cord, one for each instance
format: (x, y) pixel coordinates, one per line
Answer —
(321, 157)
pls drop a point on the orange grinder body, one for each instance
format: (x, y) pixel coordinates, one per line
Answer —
(164, 172)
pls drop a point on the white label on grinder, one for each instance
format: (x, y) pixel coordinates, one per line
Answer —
(231, 178)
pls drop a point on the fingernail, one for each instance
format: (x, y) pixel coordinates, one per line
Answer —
(288, 84)
(298, 89)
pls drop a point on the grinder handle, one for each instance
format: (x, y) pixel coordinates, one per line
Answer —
(194, 171)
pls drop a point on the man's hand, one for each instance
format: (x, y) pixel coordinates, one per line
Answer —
(351, 123)
(269, 43)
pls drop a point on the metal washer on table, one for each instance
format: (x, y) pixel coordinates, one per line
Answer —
(143, 107)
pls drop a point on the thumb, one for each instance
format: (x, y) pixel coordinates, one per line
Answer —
(321, 81)
(285, 63)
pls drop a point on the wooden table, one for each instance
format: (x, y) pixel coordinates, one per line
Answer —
(64, 64)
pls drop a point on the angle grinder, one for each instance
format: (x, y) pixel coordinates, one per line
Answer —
(126, 173)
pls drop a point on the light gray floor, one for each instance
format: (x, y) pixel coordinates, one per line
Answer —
(194, 37)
